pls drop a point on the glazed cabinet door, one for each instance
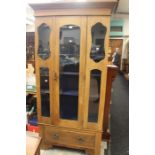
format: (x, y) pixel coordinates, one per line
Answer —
(44, 52)
(96, 70)
(69, 70)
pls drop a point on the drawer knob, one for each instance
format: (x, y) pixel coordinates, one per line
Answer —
(81, 140)
(55, 136)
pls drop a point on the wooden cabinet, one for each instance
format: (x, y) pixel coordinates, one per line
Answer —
(71, 45)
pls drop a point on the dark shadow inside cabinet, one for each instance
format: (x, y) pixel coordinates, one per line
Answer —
(69, 71)
(31, 109)
(30, 56)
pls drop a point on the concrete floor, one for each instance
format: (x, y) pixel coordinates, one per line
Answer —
(65, 151)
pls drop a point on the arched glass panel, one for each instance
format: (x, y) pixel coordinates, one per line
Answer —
(94, 95)
(69, 71)
(98, 33)
(44, 36)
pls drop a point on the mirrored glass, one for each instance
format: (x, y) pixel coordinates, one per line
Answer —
(98, 33)
(44, 36)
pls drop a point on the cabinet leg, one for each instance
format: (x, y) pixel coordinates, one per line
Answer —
(97, 149)
(46, 146)
(38, 152)
(89, 152)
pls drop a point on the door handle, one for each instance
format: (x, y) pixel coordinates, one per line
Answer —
(55, 136)
(55, 76)
(80, 140)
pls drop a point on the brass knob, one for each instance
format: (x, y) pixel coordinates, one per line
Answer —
(55, 136)
(81, 140)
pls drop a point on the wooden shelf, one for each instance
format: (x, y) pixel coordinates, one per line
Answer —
(71, 54)
(69, 93)
(69, 73)
(44, 91)
(76, 73)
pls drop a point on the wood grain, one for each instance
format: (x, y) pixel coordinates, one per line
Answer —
(112, 71)
(110, 4)
(44, 63)
(90, 65)
(80, 133)
(73, 12)
(81, 22)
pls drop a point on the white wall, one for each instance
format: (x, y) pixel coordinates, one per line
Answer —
(30, 27)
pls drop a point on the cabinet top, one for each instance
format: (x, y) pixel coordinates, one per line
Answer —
(72, 4)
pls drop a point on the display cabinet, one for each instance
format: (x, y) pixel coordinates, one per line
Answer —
(71, 46)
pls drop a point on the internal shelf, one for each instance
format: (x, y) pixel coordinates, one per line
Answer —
(75, 93)
(69, 54)
(69, 93)
(95, 75)
(76, 73)
(69, 73)
(44, 75)
(44, 91)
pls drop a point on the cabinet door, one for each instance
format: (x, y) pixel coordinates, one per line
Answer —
(69, 70)
(44, 49)
(96, 70)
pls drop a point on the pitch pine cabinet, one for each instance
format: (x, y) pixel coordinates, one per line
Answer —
(71, 44)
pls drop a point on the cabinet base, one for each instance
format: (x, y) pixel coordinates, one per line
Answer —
(90, 142)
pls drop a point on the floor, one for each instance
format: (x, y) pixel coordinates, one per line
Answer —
(119, 120)
(60, 151)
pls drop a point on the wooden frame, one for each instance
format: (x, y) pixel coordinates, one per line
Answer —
(80, 134)
(81, 22)
(74, 12)
(90, 65)
(44, 63)
(67, 4)
(112, 71)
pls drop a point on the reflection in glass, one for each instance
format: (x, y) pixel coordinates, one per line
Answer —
(44, 35)
(98, 32)
(44, 90)
(69, 71)
(94, 95)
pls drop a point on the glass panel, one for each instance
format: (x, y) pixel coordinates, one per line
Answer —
(44, 35)
(94, 95)
(69, 71)
(44, 90)
(97, 52)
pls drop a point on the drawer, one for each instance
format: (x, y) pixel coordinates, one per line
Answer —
(70, 138)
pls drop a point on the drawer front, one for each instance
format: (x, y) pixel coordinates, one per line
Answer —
(59, 136)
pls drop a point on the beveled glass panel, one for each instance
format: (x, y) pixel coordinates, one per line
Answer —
(44, 90)
(44, 37)
(69, 71)
(94, 95)
(98, 32)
